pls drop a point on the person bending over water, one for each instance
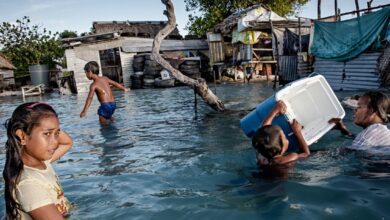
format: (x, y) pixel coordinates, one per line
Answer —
(372, 114)
(271, 143)
(32, 188)
(101, 85)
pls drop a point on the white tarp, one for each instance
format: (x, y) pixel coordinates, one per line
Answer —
(259, 14)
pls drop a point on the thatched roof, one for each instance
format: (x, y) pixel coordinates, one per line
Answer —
(5, 64)
(133, 28)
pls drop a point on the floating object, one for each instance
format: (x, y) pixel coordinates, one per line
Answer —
(350, 102)
(164, 83)
(310, 101)
(33, 90)
(165, 74)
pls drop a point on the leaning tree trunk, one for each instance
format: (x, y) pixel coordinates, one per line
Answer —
(199, 84)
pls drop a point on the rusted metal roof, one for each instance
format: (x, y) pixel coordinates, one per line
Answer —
(132, 28)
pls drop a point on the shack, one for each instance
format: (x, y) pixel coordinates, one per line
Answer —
(259, 41)
(133, 28)
(6, 73)
(354, 54)
(115, 51)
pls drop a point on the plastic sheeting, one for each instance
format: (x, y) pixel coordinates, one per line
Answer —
(246, 37)
(259, 14)
(291, 43)
(344, 40)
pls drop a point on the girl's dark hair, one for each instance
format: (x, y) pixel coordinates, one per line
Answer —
(25, 117)
(268, 141)
(380, 103)
(92, 66)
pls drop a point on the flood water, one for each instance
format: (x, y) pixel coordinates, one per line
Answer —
(161, 160)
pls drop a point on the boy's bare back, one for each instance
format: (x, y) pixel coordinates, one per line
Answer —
(102, 88)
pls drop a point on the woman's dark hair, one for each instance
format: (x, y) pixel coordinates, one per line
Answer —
(92, 66)
(25, 117)
(268, 141)
(380, 103)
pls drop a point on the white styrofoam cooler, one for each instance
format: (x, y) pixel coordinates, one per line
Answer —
(310, 100)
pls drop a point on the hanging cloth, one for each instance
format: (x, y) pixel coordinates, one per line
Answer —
(344, 40)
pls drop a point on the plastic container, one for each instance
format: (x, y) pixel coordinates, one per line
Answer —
(311, 101)
(39, 74)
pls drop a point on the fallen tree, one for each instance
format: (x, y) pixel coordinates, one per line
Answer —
(200, 84)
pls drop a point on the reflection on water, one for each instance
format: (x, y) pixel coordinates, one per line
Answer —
(161, 160)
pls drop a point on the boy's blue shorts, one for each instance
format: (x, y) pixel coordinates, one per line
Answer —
(107, 109)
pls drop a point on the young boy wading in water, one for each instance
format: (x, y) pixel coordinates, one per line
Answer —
(102, 86)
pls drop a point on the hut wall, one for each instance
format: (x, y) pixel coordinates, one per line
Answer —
(77, 57)
(359, 73)
(76, 61)
(127, 67)
(7, 77)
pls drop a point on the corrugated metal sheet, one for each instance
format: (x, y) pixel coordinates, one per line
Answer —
(304, 68)
(216, 52)
(359, 73)
(127, 67)
(246, 52)
(288, 67)
(137, 45)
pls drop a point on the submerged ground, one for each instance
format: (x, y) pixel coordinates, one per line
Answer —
(161, 160)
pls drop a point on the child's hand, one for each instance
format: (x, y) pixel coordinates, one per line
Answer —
(280, 107)
(127, 89)
(82, 114)
(296, 126)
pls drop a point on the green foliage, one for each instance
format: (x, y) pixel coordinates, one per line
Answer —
(207, 13)
(25, 44)
(68, 34)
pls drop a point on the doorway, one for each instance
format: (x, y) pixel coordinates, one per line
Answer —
(111, 64)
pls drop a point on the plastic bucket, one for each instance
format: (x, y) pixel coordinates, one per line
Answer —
(251, 122)
(39, 74)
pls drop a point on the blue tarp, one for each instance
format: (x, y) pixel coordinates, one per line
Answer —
(347, 39)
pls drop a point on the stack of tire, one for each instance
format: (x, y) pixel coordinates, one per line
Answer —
(190, 68)
(138, 67)
(151, 71)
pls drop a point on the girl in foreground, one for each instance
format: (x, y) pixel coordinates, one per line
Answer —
(32, 188)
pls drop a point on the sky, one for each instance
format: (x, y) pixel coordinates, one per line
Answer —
(78, 15)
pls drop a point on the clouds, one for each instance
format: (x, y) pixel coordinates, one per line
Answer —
(78, 15)
(37, 6)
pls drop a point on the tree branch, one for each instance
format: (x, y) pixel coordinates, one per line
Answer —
(199, 84)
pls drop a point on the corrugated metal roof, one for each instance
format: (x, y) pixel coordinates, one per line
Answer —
(136, 45)
(360, 73)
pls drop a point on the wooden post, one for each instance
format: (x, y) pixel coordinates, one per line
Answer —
(369, 5)
(196, 101)
(357, 8)
(335, 10)
(300, 35)
(216, 68)
(318, 9)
